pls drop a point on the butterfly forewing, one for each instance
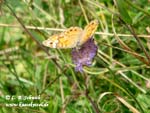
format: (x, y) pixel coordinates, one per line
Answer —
(71, 38)
(66, 39)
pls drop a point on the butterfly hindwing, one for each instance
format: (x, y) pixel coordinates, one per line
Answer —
(89, 31)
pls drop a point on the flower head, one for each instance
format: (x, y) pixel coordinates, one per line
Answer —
(84, 55)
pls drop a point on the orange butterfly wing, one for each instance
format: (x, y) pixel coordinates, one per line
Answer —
(89, 31)
(66, 39)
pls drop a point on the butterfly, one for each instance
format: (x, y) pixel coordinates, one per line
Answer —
(72, 37)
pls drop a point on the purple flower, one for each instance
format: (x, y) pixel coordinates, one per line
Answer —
(84, 56)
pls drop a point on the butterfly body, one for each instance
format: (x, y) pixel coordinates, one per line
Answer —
(72, 37)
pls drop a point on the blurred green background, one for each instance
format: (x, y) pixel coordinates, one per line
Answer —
(118, 80)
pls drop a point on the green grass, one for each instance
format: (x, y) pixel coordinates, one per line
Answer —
(118, 80)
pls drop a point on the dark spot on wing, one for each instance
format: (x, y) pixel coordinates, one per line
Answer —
(51, 43)
(75, 29)
(92, 23)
